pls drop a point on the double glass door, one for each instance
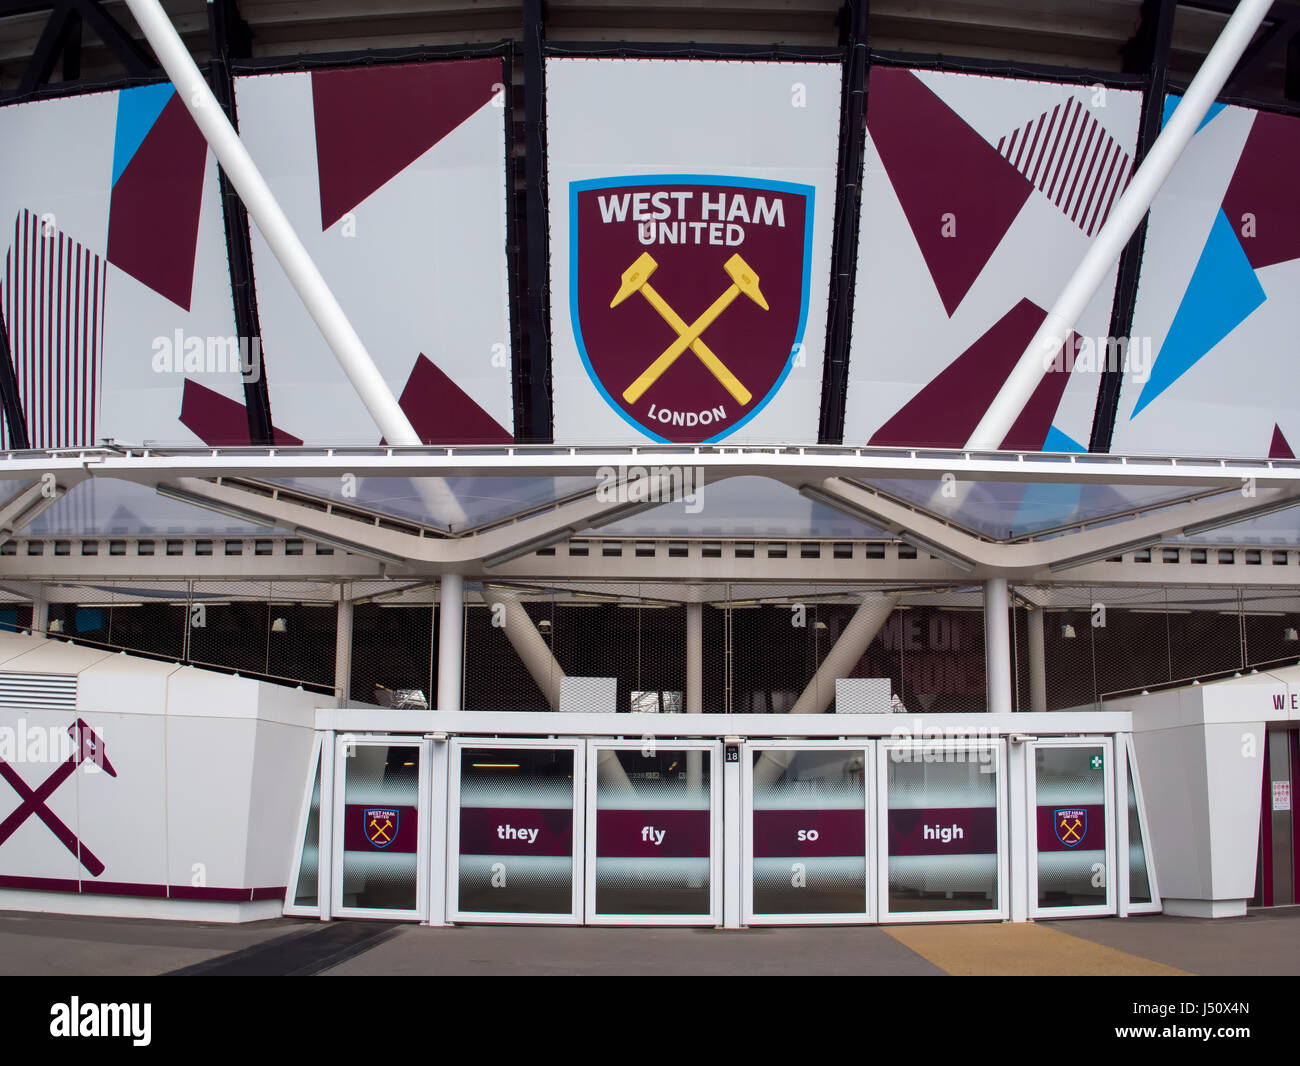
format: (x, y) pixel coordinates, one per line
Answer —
(602, 832)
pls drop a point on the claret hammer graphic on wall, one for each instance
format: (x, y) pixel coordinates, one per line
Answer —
(729, 258)
(87, 747)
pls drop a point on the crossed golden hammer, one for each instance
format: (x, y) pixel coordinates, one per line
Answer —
(636, 278)
(1070, 830)
(380, 830)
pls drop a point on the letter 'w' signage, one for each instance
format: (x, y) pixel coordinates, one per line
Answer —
(689, 296)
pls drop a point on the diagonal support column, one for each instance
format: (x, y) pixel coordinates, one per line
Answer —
(289, 250)
(542, 666)
(1118, 228)
(867, 621)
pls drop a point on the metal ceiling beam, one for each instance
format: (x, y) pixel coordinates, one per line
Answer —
(1023, 560)
(28, 504)
(48, 49)
(491, 547)
(960, 549)
(1267, 47)
(848, 211)
(130, 53)
(229, 37)
(672, 572)
(536, 311)
(793, 466)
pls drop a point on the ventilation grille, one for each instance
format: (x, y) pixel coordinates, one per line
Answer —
(55, 692)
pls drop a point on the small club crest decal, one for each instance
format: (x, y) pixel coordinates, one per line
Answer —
(381, 825)
(689, 296)
(1071, 826)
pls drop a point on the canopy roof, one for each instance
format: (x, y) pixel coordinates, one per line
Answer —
(471, 509)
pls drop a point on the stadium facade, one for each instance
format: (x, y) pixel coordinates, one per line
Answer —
(671, 463)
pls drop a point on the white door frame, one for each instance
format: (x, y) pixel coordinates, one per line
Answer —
(868, 913)
(1125, 767)
(423, 816)
(716, 773)
(941, 746)
(316, 773)
(1108, 792)
(454, 911)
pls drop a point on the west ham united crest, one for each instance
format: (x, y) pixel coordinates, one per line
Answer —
(381, 825)
(1071, 826)
(689, 296)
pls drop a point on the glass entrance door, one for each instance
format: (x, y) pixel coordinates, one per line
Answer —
(654, 833)
(1071, 827)
(515, 831)
(381, 832)
(942, 830)
(808, 832)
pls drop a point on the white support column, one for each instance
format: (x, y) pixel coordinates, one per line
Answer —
(1037, 662)
(451, 641)
(325, 864)
(1119, 764)
(1023, 827)
(1106, 247)
(694, 658)
(997, 645)
(732, 886)
(343, 649)
(40, 612)
(440, 761)
(694, 685)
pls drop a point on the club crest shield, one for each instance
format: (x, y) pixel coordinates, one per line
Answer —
(380, 825)
(1071, 826)
(689, 296)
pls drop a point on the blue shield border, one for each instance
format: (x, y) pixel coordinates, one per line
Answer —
(790, 187)
(1083, 832)
(365, 825)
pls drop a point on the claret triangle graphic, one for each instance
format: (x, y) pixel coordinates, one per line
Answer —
(943, 172)
(373, 122)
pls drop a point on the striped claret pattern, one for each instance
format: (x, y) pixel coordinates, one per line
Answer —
(52, 291)
(1071, 159)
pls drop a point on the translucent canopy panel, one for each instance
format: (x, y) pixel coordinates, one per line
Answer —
(107, 507)
(1004, 509)
(742, 507)
(10, 488)
(483, 499)
(1281, 530)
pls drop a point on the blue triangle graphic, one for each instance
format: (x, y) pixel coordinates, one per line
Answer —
(1172, 101)
(137, 110)
(1043, 505)
(1060, 442)
(1221, 295)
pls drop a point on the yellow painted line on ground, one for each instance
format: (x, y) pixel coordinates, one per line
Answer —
(1021, 948)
